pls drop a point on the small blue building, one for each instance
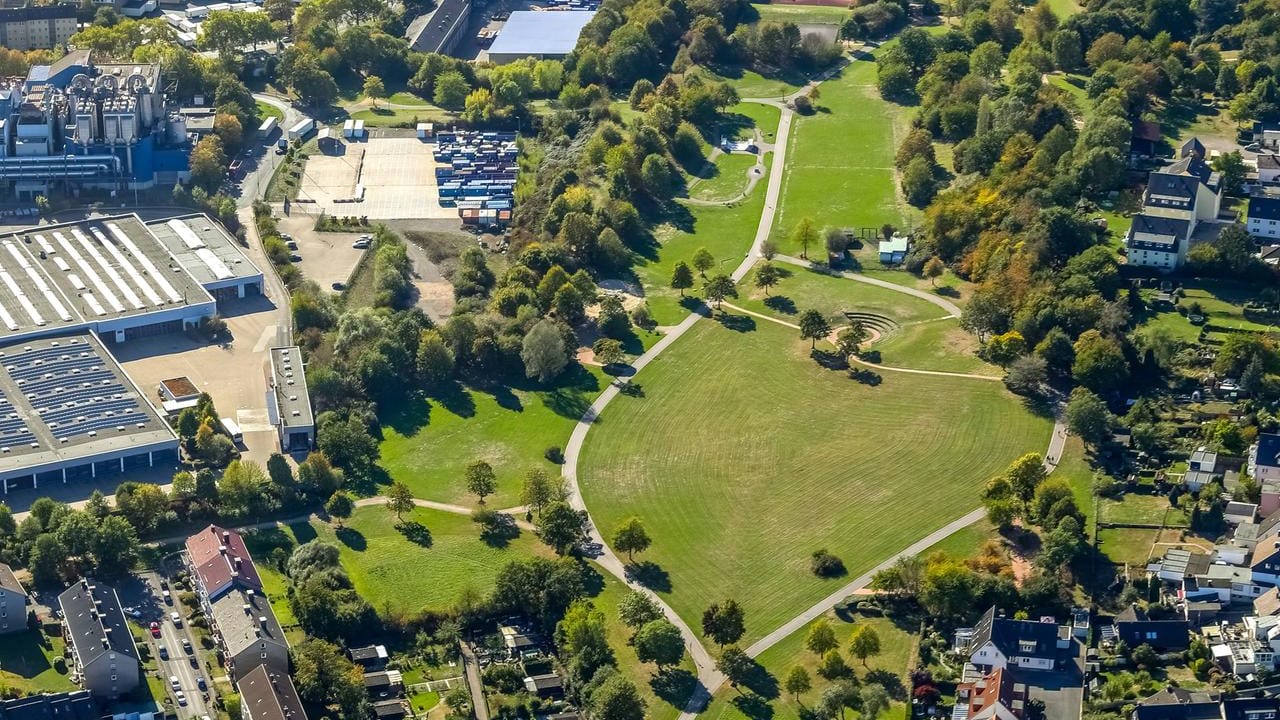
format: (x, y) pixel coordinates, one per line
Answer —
(894, 250)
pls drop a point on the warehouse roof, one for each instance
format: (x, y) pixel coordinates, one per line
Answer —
(102, 269)
(550, 33)
(203, 248)
(63, 397)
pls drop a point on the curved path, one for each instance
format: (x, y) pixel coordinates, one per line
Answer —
(860, 361)
(952, 309)
(710, 679)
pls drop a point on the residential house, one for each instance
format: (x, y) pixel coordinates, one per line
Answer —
(1267, 604)
(1264, 217)
(1239, 512)
(1269, 254)
(1249, 708)
(1135, 628)
(1201, 612)
(1245, 647)
(1267, 135)
(267, 695)
(1175, 703)
(75, 705)
(37, 27)
(1249, 534)
(996, 696)
(1264, 459)
(1178, 564)
(1268, 168)
(1202, 469)
(1178, 197)
(13, 602)
(219, 561)
(518, 640)
(1265, 562)
(999, 642)
(390, 709)
(894, 250)
(383, 682)
(369, 657)
(1222, 583)
(244, 626)
(102, 648)
(1145, 140)
(548, 685)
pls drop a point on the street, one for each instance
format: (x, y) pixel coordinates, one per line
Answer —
(147, 598)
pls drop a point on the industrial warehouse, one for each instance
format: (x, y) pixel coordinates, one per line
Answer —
(67, 409)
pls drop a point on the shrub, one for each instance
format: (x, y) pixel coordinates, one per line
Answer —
(824, 564)
(554, 454)
(60, 665)
(803, 105)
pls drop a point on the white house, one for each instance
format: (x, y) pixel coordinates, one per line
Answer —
(1268, 169)
(999, 643)
(13, 602)
(1264, 217)
(1264, 458)
(1178, 197)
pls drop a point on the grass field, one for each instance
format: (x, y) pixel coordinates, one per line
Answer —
(386, 117)
(751, 84)
(840, 159)
(803, 14)
(726, 231)
(898, 647)
(1064, 8)
(390, 571)
(26, 663)
(265, 111)
(738, 499)
(1130, 546)
(728, 181)
(747, 115)
(1141, 509)
(430, 444)
(1221, 302)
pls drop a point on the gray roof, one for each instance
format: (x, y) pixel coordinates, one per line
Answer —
(1270, 162)
(38, 12)
(214, 253)
(95, 624)
(74, 705)
(1007, 634)
(64, 398)
(1154, 232)
(9, 581)
(289, 379)
(1264, 208)
(268, 695)
(1174, 703)
(431, 32)
(541, 34)
(244, 619)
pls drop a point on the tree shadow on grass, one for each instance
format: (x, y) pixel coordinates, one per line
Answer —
(829, 360)
(630, 389)
(506, 399)
(753, 706)
(761, 682)
(457, 399)
(892, 683)
(782, 304)
(674, 686)
(416, 533)
(352, 538)
(947, 291)
(737, 323)
(499, 532)
(865, 377)
(650, 575)
(871, 356)
(303, 532)
(694, 304)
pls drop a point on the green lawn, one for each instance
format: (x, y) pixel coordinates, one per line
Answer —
(751, 84)
(804, 289)
(940, 345)
(1222, 302)
(965, 542)
(26, 663)
(748, 115)
(726, 231)
(803, 14)
(897, 649)
(265, 111)
(386, 117)
(1127, 545)
(430, 443)
(736, 499)
(1141, 509)
(1064, 8)
(390, 571)
(727, 181)
(663, 703)
(840, 159)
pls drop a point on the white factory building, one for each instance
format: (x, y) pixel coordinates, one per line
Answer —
(69, 291)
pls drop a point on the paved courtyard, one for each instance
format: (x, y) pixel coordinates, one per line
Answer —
(397, 175)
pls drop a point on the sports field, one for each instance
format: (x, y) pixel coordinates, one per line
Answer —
(840, 159)
(737, 499)
(430, 444)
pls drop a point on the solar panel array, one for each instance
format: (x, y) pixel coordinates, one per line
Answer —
(72, 389)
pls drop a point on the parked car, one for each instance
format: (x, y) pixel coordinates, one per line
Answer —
(339, 286)
(164, 653)
(176, 618)
(182, 698)
(360, 244)
(132, 612)
(186, 646)
(200, 682)
(168, 599)
(155, 629)
(173, 682)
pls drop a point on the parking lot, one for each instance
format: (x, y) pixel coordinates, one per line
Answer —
(326, 257)
(396, 174)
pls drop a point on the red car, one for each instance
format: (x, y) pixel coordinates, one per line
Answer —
(155, 629)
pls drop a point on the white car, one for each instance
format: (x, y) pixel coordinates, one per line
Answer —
(132, 612)
(360, 244)
(173, 682)
(182, 698)
(176, 618)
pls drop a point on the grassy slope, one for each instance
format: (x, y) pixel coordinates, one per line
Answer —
(26, 663)
(430, 445)
(840, 161)
(390, 571)
(737, 495)
(1222, 302)
(897, 649)
(803, 14)
(728, 181)
(764, 117)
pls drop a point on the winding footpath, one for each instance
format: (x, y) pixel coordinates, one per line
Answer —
(709, 679)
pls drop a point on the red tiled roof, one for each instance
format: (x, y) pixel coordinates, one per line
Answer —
(219, 556)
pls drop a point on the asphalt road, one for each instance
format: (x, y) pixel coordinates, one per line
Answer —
(262, 160)
(179, 662)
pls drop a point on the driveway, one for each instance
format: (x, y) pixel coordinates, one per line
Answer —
(262, 161)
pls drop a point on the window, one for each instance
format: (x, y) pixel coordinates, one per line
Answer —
(1151, 635)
